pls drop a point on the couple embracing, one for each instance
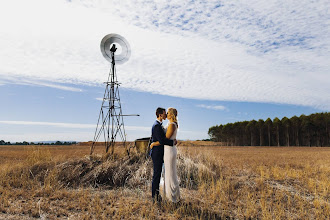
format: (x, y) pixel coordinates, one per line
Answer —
(163, 150)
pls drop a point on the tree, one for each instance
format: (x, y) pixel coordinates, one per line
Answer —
(251, 126)
(260, 125)
(286, 124)
(307, 126)
(245, 133)
(320, 123)
(296, 123)
(269, 125)
(226, 130)
(312, 130)
(277, 124)
(213, 133)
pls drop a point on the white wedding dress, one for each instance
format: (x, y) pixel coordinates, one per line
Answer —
(171, 183)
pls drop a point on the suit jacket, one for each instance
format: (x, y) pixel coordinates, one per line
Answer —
(158, 134)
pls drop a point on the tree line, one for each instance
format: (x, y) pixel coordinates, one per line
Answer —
(311, 130)
(2, 142)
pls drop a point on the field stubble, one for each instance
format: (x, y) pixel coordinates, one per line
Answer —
(58, 182)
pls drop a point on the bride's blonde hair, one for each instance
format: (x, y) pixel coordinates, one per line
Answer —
(173, 113)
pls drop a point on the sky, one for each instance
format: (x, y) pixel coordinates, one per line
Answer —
(216, 62)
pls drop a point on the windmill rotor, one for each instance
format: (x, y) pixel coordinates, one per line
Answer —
(123, 52)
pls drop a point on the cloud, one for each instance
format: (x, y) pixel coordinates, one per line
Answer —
(37, 82)
(273, 52)
(53, 124)
(56, 86)
(68, 125)
(214, 107)
(99, 99)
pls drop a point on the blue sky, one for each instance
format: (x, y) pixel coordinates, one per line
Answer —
(215, 61)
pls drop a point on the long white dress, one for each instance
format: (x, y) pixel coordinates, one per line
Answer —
(171, 183)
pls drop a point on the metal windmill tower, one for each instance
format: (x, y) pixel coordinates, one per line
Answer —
(110, 123)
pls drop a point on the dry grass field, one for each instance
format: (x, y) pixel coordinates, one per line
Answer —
(61, 182)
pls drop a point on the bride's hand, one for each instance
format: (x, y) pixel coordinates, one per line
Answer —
(151, 145)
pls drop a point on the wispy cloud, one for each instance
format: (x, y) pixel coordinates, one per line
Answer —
(274, 51)
(99, 99)
(12, 79)
(68, 125)
(57, 86)
(53, 124)
(214, 107)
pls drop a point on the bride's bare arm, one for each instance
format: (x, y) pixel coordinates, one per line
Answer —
(170, 131)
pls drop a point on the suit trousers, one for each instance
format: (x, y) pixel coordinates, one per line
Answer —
(157, 156)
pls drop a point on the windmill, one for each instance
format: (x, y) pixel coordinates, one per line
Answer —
(110, 124)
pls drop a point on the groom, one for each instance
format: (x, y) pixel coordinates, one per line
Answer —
(157, 152)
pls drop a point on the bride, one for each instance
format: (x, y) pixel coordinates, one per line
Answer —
(171, 185)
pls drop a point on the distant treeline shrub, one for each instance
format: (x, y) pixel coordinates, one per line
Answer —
(311, 130)
(2, 142)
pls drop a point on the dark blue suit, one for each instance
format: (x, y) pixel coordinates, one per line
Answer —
(157, 155)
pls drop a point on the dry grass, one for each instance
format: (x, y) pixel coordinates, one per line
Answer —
(60, 182)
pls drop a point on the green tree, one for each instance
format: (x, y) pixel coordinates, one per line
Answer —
(286, 124)
(237, 133)
(226, 130)
(251, 126)
(297, 131)
(320, 124)
(269, 125)
(260, 125)
(307, 126)
(213, 133)
(245, 133)
(296, 124)
(277, 125)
